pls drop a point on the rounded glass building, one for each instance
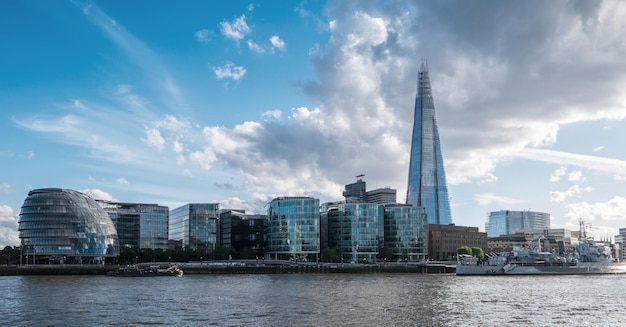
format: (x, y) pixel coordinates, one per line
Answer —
(294, 228)
(58, 226)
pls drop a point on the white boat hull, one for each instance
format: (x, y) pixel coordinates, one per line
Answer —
(541, 269)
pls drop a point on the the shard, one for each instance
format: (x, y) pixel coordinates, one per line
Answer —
(427, 180)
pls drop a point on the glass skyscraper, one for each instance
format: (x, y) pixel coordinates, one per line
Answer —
(65, 226)
(427, 180)
(294, 228)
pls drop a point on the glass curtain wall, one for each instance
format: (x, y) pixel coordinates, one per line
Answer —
(65, 226)
(195, 226)
(406, 232)
(353, 229)
(294, 229)
(427, 185)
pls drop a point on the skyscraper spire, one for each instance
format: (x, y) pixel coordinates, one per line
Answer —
(427, 180)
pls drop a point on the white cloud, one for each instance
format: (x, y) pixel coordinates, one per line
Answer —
(276, 114)
(229, 70)
(235, 30)
(174, 124)
(78, 104)
(5, 212)
(574, 191)
(203, 36)
(237, 203)
(136, 51)
(154, 138)
(204, 159)
(178, 147)
(123, 89)
(255, 47)
(122, 181)
(97, 194)
(87, 131)
(599, 213)
(486, 199)
(8, 227)
(614, 167)
(277, 43)
(575, 176)
(558, 174)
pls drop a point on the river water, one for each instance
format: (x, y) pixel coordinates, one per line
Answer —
(314, 300)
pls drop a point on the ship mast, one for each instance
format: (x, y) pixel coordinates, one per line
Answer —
(582, 233)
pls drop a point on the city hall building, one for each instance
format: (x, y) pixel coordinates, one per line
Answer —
(61, 226)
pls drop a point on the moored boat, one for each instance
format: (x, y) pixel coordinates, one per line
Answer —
(136, 271)
(588, 257)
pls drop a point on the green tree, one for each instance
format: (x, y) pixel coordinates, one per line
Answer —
(464, 250)
(221, 253)
(246, 253)
(404, 256)
(127, 255)
(478, 253)
(330, 255)
(10, 255)
(385, 254)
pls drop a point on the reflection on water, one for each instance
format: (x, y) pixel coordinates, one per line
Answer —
(313, 300)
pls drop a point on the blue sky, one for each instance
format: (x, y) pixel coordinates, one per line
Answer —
(240, 102)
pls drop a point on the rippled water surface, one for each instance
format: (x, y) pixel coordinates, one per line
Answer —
(314, 300)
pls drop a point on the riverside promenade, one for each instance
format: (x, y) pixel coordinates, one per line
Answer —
(239, 267)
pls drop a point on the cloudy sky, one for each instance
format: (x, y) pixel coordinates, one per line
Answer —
(240, 102)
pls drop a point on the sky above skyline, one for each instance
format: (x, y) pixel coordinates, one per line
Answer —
(240, 102)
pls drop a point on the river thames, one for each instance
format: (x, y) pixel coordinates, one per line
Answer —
(314, 300)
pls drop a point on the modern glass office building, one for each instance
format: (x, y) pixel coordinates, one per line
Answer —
(195, 226)
(139, 225)
(505, 222)
(244, 233)
(405, 232)
(427, 180)
(64, 226)
(355, 229)
(293, 229)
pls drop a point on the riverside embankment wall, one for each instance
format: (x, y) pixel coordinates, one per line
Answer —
(234, 269)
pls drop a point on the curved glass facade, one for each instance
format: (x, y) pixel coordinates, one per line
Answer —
(354, 229)
(65, 226)
(505, 222)
(294, 228)
(427, 180)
